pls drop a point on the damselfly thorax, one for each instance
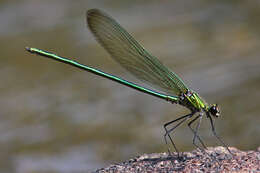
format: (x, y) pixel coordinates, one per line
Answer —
(193, 101)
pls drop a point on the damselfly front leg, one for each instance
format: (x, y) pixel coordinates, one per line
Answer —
(215, 134)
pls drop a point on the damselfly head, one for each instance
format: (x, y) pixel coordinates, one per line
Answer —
(214, 110)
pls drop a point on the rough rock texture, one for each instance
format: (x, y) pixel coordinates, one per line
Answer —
(217, 160)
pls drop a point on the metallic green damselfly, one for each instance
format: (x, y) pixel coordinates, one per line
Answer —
(124, 49)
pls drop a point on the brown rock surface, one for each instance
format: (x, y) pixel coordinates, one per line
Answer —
(196, 161)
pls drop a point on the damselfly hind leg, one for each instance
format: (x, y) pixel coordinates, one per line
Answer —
(167, 132)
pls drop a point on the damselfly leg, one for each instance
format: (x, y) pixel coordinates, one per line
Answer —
(167, 132)
(215, 134)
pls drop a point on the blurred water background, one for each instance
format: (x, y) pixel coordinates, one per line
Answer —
(55, 118)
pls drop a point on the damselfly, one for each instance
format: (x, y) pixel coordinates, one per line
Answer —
(124, 49)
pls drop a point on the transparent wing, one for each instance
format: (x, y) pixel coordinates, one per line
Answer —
(131, 55)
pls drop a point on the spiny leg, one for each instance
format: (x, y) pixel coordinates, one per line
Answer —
(167, 132)
(195, 132)
(215, 134)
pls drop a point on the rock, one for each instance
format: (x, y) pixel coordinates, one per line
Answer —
(215, 160)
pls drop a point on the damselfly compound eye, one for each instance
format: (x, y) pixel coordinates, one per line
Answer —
(214, 110)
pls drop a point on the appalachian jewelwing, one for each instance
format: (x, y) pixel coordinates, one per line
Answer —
(125, 50)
